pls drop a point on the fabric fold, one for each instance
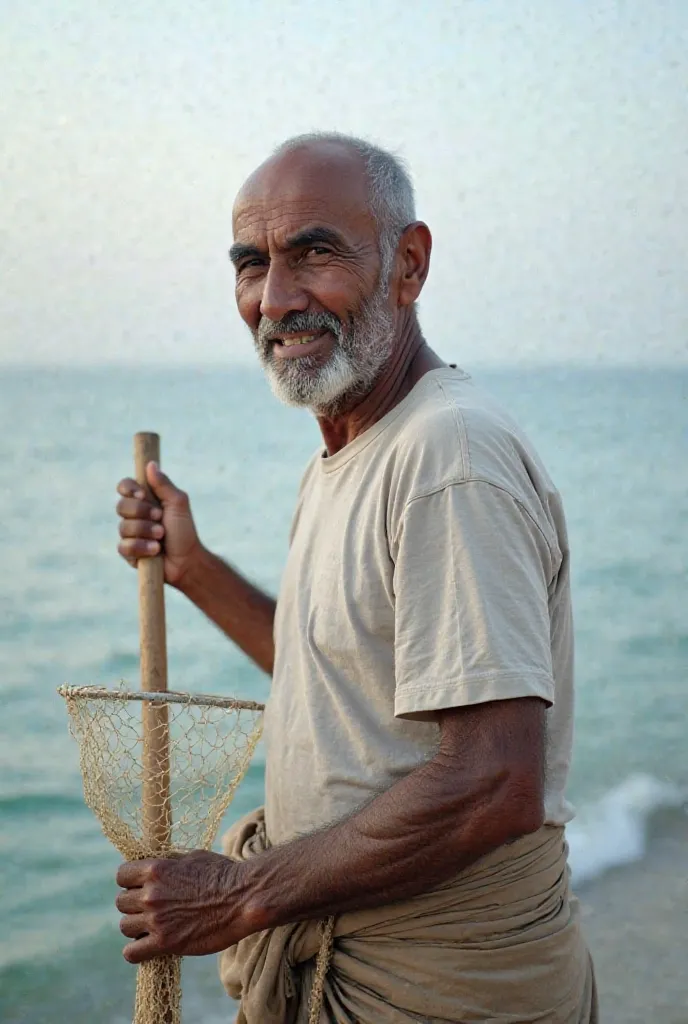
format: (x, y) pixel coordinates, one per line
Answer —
(503, 933)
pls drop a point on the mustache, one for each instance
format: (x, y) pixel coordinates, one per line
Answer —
(296, 323)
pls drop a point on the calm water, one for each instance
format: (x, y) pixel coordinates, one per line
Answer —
(616, 444)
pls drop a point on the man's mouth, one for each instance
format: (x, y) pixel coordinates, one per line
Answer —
(299, 339)
(292, 346)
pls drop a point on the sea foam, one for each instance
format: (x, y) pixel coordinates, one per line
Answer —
(613, 830)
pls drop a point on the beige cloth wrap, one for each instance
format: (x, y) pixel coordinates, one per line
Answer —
(501, 942)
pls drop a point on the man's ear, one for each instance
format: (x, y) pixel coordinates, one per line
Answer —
(413, 261)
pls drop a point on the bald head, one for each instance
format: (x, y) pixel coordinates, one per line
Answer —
(319, 156)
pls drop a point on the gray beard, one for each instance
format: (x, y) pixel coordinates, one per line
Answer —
(350, 372)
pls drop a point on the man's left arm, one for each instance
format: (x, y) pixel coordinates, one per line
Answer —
(483, 788)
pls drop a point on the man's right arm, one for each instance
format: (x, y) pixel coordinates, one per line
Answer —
(159, 521)
(243, 612)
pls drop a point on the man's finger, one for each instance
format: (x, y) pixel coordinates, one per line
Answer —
(129, 901)
(133, 873)
(163, 488)
(133, 549)
(129, 488)
(132, 508)
(133, 926)
(142, 949)
(141, 528)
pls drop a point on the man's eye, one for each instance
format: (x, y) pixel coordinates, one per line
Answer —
(317, 250)
(248, 264)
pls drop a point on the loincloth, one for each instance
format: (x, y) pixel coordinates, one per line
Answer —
(501, 942)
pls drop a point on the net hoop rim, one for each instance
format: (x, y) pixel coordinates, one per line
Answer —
(159, 697)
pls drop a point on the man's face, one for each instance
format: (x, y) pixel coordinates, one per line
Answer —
(307, 261)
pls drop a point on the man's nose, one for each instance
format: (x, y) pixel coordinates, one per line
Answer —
(282, 293)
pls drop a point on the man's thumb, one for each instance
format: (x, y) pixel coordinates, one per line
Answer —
(161, 485)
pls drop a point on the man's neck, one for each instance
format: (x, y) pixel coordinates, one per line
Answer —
(412, 359)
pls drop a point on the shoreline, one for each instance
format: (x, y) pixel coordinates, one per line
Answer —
(635, 919)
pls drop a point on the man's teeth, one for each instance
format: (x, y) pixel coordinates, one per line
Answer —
(303, 339)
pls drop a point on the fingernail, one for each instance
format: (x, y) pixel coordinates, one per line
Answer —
(152, 546)
(156, 513)
(158, 531)
(140, 495)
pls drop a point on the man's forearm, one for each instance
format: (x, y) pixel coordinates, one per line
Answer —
(424, 830)
(243, 612)
(484, 787)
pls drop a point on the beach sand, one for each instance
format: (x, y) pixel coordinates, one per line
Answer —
(636, 923)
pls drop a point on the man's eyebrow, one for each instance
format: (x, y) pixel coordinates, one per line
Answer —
(315, 236)
(241, 251)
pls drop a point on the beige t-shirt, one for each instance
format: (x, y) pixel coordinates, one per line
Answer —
(428, 568)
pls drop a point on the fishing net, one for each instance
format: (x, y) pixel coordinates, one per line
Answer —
(159, 771)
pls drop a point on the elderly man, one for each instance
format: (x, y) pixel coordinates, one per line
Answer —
(419, 727)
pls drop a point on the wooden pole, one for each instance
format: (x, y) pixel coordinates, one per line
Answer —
(157, 817)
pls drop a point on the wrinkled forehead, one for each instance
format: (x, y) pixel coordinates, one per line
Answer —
(296, 190)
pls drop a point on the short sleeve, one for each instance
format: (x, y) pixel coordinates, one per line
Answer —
(471, 583)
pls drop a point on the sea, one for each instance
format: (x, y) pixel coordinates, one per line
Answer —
(616, 443)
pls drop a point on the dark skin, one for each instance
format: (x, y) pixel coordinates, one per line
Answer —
(484, 787)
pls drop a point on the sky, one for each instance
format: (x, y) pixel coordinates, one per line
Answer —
(548, 142)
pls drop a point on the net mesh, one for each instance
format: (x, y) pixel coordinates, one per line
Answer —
(159, 771)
